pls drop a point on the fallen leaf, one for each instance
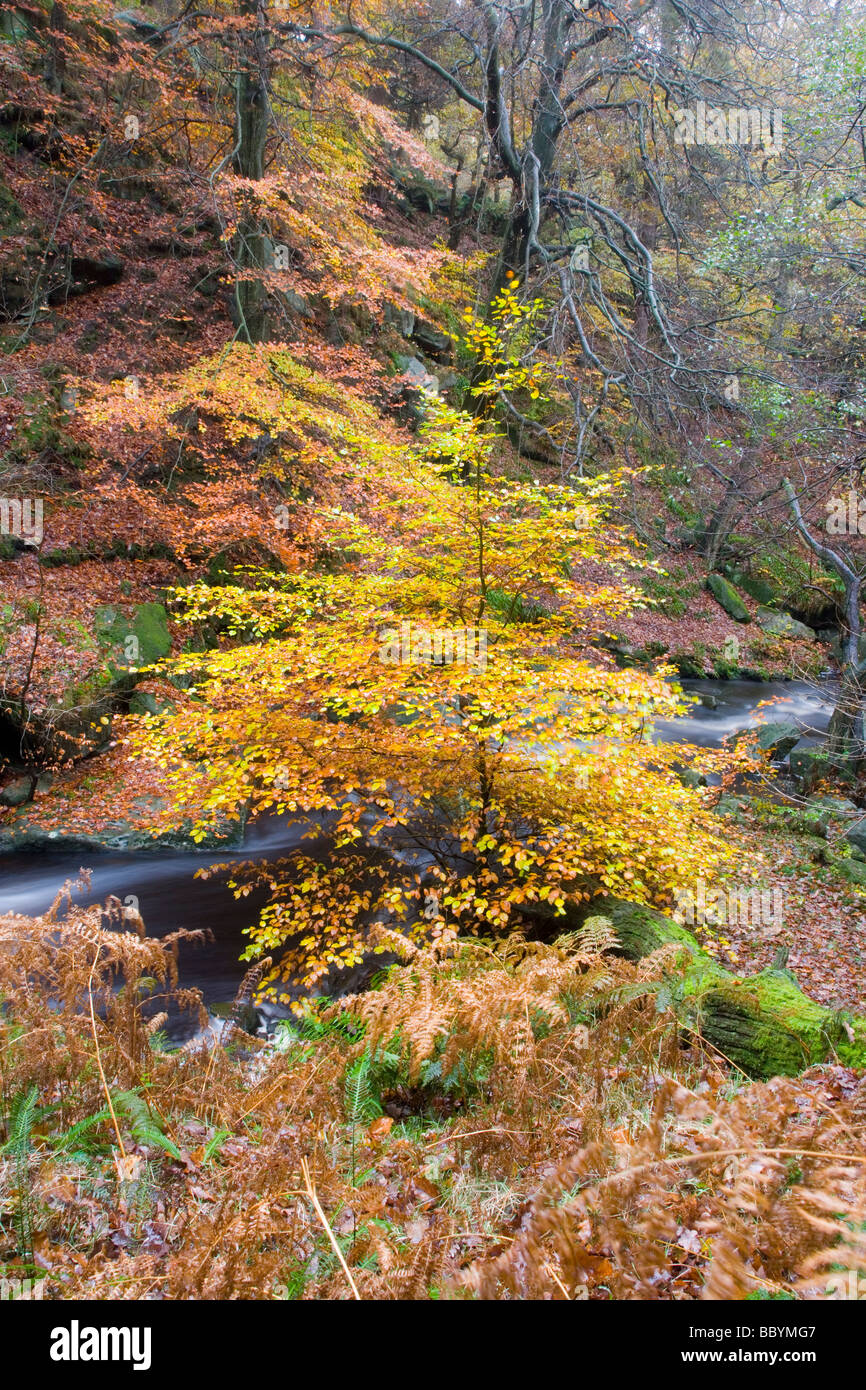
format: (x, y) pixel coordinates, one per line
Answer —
(379, 1128)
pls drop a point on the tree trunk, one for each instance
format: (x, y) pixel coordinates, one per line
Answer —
(530, 174)
(54, 61)
(719, 526)
(846, 735)
(251, 134)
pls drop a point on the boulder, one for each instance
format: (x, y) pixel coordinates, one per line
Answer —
(808, 762)
(106, 269)
(17, 792)
(77, 727)
(756, 588)
(811, 763)
(141, 26)
(830, 636)
(88, 273)
(763, 1023)
(626, 653)
(417, 375)
(145, 702)
(854, 870)
(16, 288)
(418, 386)
(689, 666)
(856, 835)
(140, 639)
(783, 625)
(78, 723)
(732, 806)
(449, 380)
(21, 835)
(837, 807)
(403, 320)
(690, 777)
(349, 323)
(297, 304)
(431, 340)
(813, 823)
(727, 597)
(778, 738)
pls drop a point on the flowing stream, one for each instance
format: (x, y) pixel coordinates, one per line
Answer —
(169, 896)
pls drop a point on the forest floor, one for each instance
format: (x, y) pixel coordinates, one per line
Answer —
(608, 1161)
(822, 922)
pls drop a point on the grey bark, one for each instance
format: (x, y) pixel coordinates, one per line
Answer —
(252, 114)
(847, 730)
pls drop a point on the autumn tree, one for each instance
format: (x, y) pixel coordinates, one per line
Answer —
(422, 701)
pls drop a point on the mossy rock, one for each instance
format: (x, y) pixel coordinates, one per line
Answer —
(854, 870)
(145, 702)
(690, 777)
(733, 807)
(140, 640)
(778, 738)
(727, 597)
(11, 212)
(839, 807)
(725, 670)
(756, 588)
(19, 836)
(812, 820)
(818, 849)
(768, 1027)
(783, 625)
(689, 666)
(764, 1024)
(811, 764)
(79, 723)
(150, 626)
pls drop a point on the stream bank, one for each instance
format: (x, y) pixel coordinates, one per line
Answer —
(160, 882)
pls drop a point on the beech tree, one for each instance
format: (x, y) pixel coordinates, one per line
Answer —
(423, 702)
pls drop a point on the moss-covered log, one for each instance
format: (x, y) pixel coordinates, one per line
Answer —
(764, 1023)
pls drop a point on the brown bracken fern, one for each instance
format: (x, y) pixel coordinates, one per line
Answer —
(534, 1126)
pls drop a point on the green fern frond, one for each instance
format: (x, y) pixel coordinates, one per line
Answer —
(22, 1115)
(361, 1104)
(145, 1126)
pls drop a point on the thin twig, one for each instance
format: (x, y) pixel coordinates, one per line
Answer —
(311, 1193)
(99, 1056)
